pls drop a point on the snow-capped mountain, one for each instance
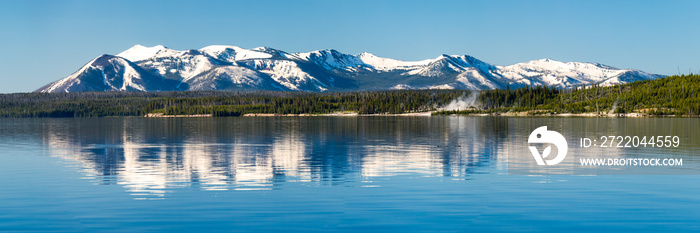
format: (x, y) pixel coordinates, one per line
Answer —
(110, 73)
(568, 74)
(220, 67)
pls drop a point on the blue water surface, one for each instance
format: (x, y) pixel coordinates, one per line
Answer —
(316, 174)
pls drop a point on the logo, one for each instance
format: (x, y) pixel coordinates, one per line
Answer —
(542, 135)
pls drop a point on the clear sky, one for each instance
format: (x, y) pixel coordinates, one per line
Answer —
(43, 41)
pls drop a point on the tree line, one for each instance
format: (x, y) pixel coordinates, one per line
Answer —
(219, 103)
(677, 95)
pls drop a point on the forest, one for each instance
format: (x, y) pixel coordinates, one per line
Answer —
(220, 103)
(675, 96)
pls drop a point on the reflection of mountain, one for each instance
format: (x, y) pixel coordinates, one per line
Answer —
(150, 156)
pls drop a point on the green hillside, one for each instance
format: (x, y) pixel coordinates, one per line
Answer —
(674, 95)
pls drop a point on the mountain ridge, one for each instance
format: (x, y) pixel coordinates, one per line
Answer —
(226, 67)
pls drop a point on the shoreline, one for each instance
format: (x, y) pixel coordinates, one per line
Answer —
(428, 114)
(338, 114)
(618, 115)
(160, 115)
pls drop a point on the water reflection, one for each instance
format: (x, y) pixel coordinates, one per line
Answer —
(152, 156)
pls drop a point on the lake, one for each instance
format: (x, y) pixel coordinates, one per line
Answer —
(311, 174)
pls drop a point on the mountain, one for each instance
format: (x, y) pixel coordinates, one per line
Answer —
(110, 73)
(222, 67)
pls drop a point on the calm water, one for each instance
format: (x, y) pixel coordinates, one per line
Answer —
(307, 174)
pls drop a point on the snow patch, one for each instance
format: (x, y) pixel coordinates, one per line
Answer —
(233, 53)
(381, 63)
(140, 52)
(401, 87)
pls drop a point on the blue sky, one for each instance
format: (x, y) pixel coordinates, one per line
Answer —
(43, 41)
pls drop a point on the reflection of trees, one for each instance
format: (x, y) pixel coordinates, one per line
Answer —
(148, 155)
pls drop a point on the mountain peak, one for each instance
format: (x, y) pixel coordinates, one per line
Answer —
(102, 60)
(331, 59)
(443, 56)
(332, 52)
(142, 47)
(269, 50)
(263, 48)
(365, 54)
(220, 47)
(105, 56)
(274, 53)
(139, 52)
(547, 60)
(235, 53)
